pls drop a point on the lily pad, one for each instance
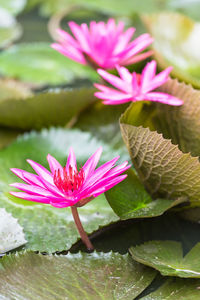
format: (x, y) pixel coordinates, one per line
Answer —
(50, 7)
(38, 63)
(176, 288)
(10, 30)
(129, 199)
(74, 276)
(167, 258)
(47, 228)
(161, 166)
(11, 233)
(43, 109)
(176, 45)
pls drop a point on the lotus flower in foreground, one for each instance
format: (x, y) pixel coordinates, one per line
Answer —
(135, 87)
(66, 186)
(102, 44)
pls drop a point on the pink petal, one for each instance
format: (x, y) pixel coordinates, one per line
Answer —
(30, 197)
(114, 80)
(27, 177)
(148, 73)
(41, 171)
(99, 173)
(124, 40)
(70, 52)
(32, 189)
(117, 97)
(91, 163)
(79, 35)
(68, 38)
(160, 78)
(138, 45)
(108, 186)
(163, 98)
(71, 161)
(136, 58)
(54, 164)
(124, 73)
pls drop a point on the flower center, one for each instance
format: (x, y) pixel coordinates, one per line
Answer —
(70, 181)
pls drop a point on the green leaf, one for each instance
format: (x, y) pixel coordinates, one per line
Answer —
(129, 200)
(176, 288)
(102, 121)
(13, 6)
(10, 30)
(175, 44)
(43, 109)
(38, 63)
(180, 124)
(74, 276)
(187, 7)
(47, 228)
(162, 167)
(50, 7)
(167, 258)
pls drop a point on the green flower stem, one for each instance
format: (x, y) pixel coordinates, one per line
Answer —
(81, 231)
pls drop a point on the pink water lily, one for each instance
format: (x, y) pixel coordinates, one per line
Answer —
(135, 87)
(67, 186)
(103, 44)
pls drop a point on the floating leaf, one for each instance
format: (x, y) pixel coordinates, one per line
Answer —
(129, 200)
(176, 45)
(176, 288)
(39, 64)
(162, 167)
(167, 258)
(10, 30)
(47, 228)
(74, 276)
(13, 6)
(50, 7)
(11, 233)
(181, 124)
(43, 109)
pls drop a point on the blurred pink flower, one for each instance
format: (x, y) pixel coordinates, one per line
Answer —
(135, 87)
(66, 186)
(102, 44)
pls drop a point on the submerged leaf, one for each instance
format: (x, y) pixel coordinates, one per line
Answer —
(129, 199)
(162, 167)
(74, 276)
(167, 257)
(176, 44)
